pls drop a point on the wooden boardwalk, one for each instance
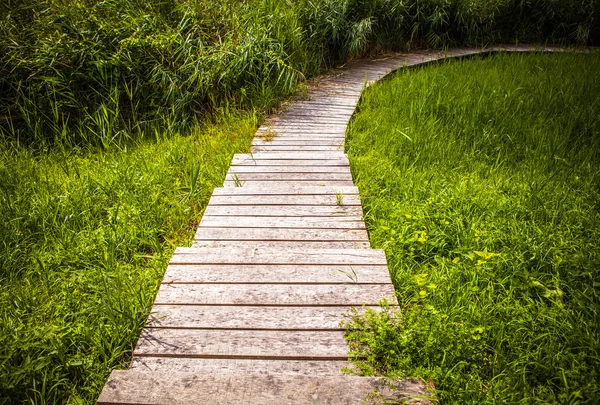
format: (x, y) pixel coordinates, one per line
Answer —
(250, 314)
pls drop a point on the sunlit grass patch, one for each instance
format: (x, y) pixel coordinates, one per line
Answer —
(481, 180)
(86, 236)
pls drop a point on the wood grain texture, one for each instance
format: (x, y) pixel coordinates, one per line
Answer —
(276, 274)
(275, 256)
(239, 366)
(279, 147)
(171, 387)
(201, 343)
(249, 317)
(295, 162)
(284, 210)
(281, 234)
(282, 244)
(293, 156)
(289, 169)
(286, 190)
(307, 222)
(319, 295)
(279, 183)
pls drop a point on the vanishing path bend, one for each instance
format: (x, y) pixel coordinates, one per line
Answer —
(250, 314)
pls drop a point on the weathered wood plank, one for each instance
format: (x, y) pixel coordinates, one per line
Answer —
(320, 295)
(286, 162)
(281, 234)
(315, 126)
(293, 156)
(249, 317)
(300, 113)
(239, 366)
(277, 183)
(283, 129)
(301, 141)
(283, 210)
(285, 176)
(275, 256)
(319, 199)
(276, 273)
(308, 222)
(283, 244)
(170, 387)
(286, 190)
(297, 135)
(201, 343)
(278, 148)
(314, 168)
(292, 119)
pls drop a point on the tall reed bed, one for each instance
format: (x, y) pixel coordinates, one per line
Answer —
(103, 72)
(481, 181)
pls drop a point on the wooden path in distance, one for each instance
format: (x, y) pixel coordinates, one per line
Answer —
(250, 314)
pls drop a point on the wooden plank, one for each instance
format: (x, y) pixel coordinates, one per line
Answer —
(319, 199)
(276, 274)
(281, 234)
(280, 183)
(249, 317)
(239, 366)
(286, 162)
(284, 129)
(175, 387)
(307, 125)
(322, 105)
(293, 156)
(345, 222)
(275, 256)
(278, 148)
(293, 169)
(285, 176)
(201, 343)
(298, 113)
(296, 134)
(319, 295)
(283, 210)
(287, 190)
(288, 119)
(283, 244)
(298, 140)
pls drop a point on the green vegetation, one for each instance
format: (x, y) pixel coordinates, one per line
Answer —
(86, 237)
(99, 72)
(111, 142)
(481, 180)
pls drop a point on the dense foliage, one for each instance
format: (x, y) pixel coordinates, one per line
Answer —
(97, 72)
(481, 180)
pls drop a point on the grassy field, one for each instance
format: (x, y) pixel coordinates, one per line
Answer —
(86, 236)
(481, 180)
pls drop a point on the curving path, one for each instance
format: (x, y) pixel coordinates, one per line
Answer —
(250, 314)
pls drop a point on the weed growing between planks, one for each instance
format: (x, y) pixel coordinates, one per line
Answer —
(86, 236)
(481, 180)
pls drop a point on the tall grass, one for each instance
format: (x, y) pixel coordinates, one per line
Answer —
(103, 72)
(481, 180)
(86, 236)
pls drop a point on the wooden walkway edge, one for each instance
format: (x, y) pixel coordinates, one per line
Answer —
(250, 314)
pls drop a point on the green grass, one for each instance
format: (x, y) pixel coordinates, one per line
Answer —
(86, 235)
(481, 180)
